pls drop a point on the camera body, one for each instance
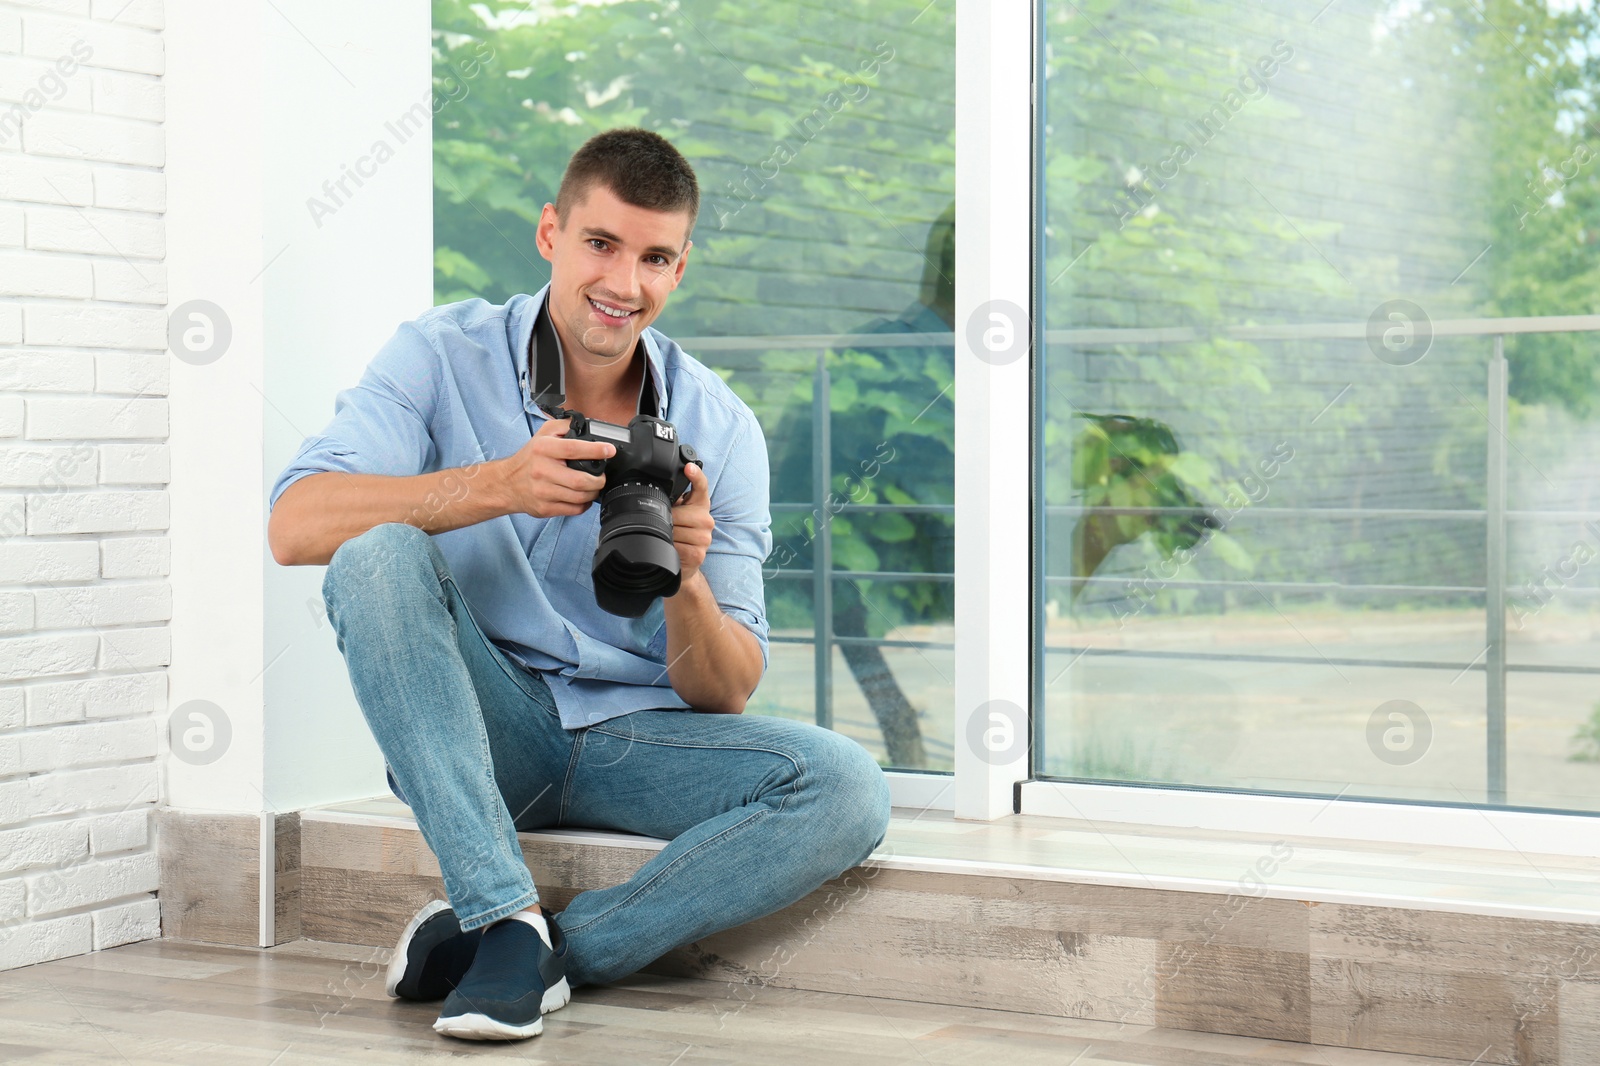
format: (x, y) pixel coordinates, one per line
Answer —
(635, 561)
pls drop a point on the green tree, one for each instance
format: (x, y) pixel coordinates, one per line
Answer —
(823, 140)
(1380, 159)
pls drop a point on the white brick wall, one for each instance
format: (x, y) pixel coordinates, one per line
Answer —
(84, 598)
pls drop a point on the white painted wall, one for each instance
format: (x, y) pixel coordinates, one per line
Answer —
(84, 599)
(268, 101)
(215, 182)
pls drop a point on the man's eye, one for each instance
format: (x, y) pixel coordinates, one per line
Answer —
(597, 244)
(661, 260)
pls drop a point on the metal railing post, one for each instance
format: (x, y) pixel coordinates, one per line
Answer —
(822, 540)
(1495, 576)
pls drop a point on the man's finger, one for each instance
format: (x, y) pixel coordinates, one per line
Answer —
(698, 490)
(577, 480)
(572, 497)
(581, 449)
(573, 449)
(553, 427)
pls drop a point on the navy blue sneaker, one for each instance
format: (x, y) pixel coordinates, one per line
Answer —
(433, 954)
(514, 979)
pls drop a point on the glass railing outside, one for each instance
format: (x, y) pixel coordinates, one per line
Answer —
(1426, 632)
(860, 586)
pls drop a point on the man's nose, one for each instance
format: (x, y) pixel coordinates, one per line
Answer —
(623, 280)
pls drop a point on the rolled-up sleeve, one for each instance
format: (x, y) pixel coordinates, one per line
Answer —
(742, 538)
(382, 425)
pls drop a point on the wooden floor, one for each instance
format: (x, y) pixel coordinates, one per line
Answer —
(173, 1002)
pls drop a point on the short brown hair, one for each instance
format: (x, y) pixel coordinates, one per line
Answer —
(639, 166)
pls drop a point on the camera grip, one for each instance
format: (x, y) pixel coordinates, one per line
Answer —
(578, 429)
(680, 480)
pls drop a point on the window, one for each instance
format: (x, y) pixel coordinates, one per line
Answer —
(1314, 382)
(1320, 506)
(821, 285)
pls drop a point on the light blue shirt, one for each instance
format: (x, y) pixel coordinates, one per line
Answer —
(447, 391)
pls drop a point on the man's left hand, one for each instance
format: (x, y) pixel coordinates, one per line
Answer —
(692, 523)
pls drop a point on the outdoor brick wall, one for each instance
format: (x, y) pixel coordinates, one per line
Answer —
(84, 465)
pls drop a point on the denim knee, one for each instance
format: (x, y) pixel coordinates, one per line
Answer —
(386, 551)
(852, 795)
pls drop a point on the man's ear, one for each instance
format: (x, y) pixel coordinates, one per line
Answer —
(544, 234)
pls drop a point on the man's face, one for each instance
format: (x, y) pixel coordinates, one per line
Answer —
(611, 268)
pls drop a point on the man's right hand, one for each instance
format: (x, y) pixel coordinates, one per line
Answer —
(321, 511)
(538, 481)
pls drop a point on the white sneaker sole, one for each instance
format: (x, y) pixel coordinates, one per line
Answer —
(482, 1027)
(397, 961)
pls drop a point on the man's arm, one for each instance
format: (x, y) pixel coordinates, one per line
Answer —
(713, 661)
(316, 514)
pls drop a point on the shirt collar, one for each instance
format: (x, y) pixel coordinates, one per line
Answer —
(520, 327)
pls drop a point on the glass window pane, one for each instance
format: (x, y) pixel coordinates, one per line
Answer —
(820, 284)
(1269, 424)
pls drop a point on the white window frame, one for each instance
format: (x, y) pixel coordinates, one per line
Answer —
(1316, 818)
(922, 791)
(993, 490)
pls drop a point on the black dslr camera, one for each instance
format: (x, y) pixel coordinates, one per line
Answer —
(635, 561)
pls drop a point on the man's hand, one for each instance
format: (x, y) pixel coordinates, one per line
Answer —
(692, 523)
(713, 662)
(538, 481)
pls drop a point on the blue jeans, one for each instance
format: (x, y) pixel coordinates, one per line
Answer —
(758, 811)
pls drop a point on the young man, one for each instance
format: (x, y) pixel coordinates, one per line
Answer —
(458, 543)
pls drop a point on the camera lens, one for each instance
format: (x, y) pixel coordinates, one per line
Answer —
(635, 561)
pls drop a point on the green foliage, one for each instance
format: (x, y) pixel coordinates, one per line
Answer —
(1382, 161)
(893, 427)
(1395, 147)
(828, 240)
(1586, 741)
(1538, 114)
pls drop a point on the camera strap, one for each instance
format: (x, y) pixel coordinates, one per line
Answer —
(549, 388)
(544, 356)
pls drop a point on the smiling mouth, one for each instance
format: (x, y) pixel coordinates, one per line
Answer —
(611, 314)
